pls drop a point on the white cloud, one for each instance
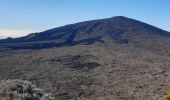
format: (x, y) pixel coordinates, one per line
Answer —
(4, 33)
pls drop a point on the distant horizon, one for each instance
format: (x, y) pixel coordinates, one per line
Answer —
(19, 18)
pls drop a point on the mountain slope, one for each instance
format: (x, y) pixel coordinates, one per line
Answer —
(109, 59)
(117, 29)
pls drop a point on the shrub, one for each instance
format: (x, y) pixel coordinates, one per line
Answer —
(22, 90)
(167, 96)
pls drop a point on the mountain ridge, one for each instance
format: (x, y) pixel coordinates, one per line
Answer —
(118, 29)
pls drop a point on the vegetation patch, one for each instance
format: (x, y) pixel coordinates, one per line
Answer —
(22, 90)
(79, 61)
(167, 95)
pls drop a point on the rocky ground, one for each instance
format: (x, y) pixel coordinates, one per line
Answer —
(91, 72)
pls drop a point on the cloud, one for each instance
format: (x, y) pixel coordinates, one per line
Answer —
(4, 33)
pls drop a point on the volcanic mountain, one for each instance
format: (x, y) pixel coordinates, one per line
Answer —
(117, 29)
(116, 58)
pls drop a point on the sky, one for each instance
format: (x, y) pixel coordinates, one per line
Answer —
(21, 17)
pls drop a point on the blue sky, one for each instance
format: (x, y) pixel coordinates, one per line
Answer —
(20, 17)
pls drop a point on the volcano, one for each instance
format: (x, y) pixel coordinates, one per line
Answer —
(117, 29)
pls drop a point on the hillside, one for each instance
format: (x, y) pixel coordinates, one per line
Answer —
(117, 29)
(116, 58)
